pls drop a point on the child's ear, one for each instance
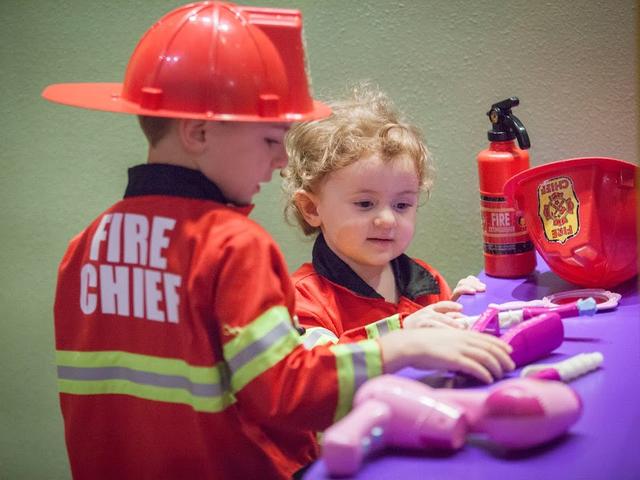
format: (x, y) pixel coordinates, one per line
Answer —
(306, 202)
(193, 135)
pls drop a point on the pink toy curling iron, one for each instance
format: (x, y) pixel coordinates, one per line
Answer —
(495, 318)
(565, 370)
(605, 300)
(535, 331)
(391, 410)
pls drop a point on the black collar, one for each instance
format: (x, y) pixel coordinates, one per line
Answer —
(412, 279)
(163, 179)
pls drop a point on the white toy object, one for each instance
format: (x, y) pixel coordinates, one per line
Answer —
(565, 370)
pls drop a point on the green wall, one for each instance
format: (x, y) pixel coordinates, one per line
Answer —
(572, 63)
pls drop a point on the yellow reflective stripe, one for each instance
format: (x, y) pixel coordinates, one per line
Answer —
(393, 322)
(265, 360)
(372, 330)
(256, 330)
(355, 364)
(147, 392)
(344, 368)
(260, 345)
(373, 358)
(384, 326)
(314, 336)
(153, 378)
(165, 366)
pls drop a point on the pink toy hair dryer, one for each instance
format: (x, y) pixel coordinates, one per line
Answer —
(395, 411)
(535, 338)
(391, 410)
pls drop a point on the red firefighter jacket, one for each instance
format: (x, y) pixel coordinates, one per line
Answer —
(176, 353)
(334, 304)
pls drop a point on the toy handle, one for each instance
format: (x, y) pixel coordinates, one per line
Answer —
(347, 442)
(535, 338)
(487, 320)
(581, 307)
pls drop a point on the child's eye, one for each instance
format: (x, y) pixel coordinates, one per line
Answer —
(403, 206)
(364, 204)
(270, 142)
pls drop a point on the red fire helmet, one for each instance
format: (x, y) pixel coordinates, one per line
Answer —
(212, 61)
(581, 216)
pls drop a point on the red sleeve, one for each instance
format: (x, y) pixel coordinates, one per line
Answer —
(318, 312)
(273, 376)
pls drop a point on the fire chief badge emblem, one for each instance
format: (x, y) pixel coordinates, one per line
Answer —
(558, 208)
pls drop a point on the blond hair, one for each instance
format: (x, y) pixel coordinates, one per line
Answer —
(365, 123)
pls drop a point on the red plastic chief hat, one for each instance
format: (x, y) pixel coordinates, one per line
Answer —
(213, 61)
(581, 216)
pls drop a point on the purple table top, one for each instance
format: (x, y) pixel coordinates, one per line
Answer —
(603, 444)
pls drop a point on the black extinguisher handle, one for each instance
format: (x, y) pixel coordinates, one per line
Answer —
(518, 129)
(505, 125)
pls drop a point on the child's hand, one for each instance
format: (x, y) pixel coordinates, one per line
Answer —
(467, 286)
(478, 354)
(439, 314)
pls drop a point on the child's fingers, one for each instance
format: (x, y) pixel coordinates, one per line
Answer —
(473, 368)
(488, 360)
(497, 349)
(438, 321)
(472, 282)
(488, 339)
(469, 285)
(445, 306)
(505, 359)
(464, 321)
(466, 289)
(444, 320)
(477, 285)
(455, 315)
(459, 291)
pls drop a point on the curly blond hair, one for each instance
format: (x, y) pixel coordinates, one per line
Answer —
(365, 123)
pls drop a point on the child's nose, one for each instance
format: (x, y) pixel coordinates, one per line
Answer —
(280, 159)
(385, 218)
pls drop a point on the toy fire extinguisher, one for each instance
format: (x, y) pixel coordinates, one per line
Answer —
(508, 250)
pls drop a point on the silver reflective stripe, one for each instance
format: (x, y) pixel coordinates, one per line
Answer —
(383, 327)
(359, 359)
(251, 351)
(141, 378)
(356, 363)
(314, 334)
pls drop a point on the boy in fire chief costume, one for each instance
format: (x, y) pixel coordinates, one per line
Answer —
(176, 352)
